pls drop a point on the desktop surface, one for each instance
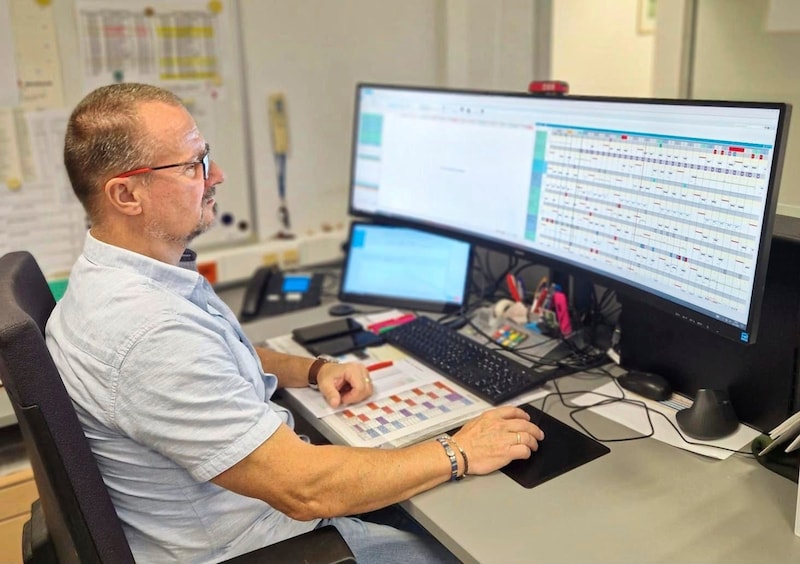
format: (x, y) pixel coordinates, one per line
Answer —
(643, 502)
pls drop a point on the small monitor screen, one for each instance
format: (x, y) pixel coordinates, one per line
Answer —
(671, 201)
(405, 268)
(296, 283)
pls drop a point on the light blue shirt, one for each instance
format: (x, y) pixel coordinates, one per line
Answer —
(170, 394)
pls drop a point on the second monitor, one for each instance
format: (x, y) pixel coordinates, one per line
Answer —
(405, 268)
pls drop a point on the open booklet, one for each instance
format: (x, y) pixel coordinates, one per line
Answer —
(788, 431)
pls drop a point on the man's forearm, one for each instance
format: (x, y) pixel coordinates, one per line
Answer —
(291, 370)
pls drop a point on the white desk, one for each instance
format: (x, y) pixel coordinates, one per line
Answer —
(643, 502)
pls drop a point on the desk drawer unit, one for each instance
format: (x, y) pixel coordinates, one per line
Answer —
(17, 492)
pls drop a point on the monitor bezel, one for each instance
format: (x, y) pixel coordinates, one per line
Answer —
(391, 301)
(619, 285)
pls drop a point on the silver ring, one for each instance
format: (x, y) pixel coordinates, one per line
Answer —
(519, 439)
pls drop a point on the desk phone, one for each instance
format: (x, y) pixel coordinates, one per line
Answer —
(272, 292)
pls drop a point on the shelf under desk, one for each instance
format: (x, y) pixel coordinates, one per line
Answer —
(643, 502)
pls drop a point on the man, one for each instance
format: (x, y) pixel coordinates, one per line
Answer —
(172, 396)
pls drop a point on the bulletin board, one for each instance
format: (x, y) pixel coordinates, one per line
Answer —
(59, 51)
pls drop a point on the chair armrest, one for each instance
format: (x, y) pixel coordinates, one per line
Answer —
(36, 545)
(320, 546)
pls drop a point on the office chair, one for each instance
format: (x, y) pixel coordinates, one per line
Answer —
(74, 520)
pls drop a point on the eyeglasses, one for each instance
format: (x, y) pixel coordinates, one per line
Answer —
(204, 160)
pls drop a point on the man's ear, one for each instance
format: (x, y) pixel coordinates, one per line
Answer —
(123, 194)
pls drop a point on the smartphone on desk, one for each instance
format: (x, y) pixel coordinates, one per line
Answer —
(344, 343)
(327, 330)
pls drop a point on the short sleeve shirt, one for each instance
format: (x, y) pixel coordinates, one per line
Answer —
(170, 393)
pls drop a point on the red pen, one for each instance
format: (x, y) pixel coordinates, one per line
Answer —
(379, 365)
(381, 326)
(511, 281)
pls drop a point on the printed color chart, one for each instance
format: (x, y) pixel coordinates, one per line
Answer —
(386, 419)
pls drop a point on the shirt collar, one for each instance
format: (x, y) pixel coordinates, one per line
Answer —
(182, 281)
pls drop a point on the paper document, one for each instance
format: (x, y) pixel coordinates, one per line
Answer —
(634, 417)
(410, 402)
(406, 416)
(401, 375)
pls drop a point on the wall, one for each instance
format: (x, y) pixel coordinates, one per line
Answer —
(736, 58)
(721, 49)
(315, 53)
(597, 48)
(495, 44)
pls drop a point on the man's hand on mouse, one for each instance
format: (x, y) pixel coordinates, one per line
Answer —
(343, 384)
(497, 437)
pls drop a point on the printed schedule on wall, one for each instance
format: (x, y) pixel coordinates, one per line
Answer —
(63, 50)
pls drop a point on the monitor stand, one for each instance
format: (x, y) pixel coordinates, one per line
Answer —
(563, 449)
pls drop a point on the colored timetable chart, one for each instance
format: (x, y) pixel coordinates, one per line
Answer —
(405, 416)
(681, 213)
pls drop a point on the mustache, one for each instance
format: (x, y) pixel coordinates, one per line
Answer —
(210, 194)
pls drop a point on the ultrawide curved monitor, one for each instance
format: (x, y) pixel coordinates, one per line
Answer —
(670, 201)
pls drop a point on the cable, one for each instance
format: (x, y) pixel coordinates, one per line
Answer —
(576, 409)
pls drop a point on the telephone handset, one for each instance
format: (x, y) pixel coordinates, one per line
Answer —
(256, 288)
(272, 292)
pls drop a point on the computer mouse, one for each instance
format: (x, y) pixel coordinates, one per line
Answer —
(710, 417)
(339, 310)
(647, 384)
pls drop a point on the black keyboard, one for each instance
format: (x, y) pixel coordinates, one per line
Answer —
(485, 372)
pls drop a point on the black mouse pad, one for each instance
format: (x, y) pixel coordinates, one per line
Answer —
(562, 449)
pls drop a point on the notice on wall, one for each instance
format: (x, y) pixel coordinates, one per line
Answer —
(163, 43)
(42, 214)
(9, 91)
(37, 55)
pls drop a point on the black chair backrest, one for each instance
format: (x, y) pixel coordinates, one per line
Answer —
(80, 517)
